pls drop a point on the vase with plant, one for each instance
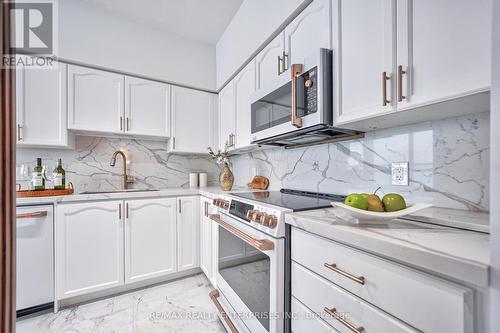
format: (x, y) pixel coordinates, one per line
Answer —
(226, 177)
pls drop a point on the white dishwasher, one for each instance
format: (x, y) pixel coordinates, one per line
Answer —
(34, 259)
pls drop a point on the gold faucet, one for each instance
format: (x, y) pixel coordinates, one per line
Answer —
(125, 179)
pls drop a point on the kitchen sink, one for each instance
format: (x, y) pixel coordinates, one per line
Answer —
(120, 191)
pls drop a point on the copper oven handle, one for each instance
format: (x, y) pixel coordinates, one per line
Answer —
(263, 245)
(31, 215)
(296, 120)
(400, 83)
(335, 268)
(214, 294)
(385, 78)
(333, 312)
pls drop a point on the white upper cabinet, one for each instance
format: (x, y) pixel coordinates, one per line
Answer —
(96, 101)
(193, 120)
(227, 116)
(363, 34)
(395, 57)
(150, 229)
(244, 87)
(308, 32)
(188, 233)
(41, 107)
(444, 47)
(89, 247)
(269, 62)
(147, 108)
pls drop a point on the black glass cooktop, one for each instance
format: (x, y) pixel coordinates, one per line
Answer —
(292, 199)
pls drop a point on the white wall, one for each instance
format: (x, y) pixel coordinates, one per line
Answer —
(254, 22)
(495, 174)
(92, 34)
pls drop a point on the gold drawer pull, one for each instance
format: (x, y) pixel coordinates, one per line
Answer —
(214, 294)
(333, 312)
(31, 215)
(334, 267)
(385, 78)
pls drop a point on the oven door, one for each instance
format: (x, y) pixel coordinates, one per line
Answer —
(250, 270)
(271, 108)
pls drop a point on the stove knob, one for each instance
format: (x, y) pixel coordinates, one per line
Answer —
(214, 202)
(273, 221)
(265, 220)
(256, 216)
(225, 204)
(250, 213)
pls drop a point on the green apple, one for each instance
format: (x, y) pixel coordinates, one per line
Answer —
(393, 202)
(357, 201)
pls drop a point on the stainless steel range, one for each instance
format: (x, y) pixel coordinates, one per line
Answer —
(253, 284)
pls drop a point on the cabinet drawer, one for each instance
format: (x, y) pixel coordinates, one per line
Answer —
(305, 321)
(318, 293)
(427, 303)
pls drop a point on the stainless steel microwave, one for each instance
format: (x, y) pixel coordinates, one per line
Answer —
(297, 109)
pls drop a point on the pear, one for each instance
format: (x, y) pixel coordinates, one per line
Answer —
(374, 203)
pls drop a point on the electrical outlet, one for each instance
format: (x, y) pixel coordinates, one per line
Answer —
(399, 173)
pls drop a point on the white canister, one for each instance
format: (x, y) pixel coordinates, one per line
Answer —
(203, 179)
(193, 179)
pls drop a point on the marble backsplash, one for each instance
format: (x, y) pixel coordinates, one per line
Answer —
(87, 167)
(449, 163)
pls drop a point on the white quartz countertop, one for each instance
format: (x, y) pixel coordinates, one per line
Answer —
(454, 253)
(168, 192)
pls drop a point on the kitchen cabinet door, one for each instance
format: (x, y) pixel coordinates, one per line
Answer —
(41, 108)
(96, 102)
(89, 247)
(206, 261)
(364, 35)
(150, 242)
(227, 116)
(444, 47)
(308, 32)
(187, 233)
(193, 119)
(244, 87)
(268, 65)
(147, 108)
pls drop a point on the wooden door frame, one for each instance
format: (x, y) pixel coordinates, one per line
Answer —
(7, 182)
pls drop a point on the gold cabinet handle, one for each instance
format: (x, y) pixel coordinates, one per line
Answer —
(279, 65)
(214, 294)
(206, 208)
(401, 97)
(127, 125)
(119, 211)
(126, 210)
(19, 138)
(333, 312)
(31, 215)
(296, 120)
(263, 245)
(336, 269)
(121, 123)
(385, 78)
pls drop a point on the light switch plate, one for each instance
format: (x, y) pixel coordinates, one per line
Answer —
(399, 173)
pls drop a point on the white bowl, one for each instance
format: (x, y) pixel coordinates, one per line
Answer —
(366, 215)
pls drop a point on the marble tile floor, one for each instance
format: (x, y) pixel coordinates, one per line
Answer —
(181, 306)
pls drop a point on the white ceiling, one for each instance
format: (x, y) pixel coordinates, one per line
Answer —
(201, 20)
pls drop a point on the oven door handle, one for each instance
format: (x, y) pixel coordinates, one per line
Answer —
(296, 120)
(214, 295)
(263, 245)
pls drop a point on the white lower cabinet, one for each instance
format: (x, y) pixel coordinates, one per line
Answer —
(150, 242)
(89, 247)
(207, 250)
(305, 321)
(187, 233)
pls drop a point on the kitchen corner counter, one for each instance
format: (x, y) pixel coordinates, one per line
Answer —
(210, 192)
(454, 253)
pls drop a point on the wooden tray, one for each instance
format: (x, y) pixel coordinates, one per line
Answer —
(45, 193)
